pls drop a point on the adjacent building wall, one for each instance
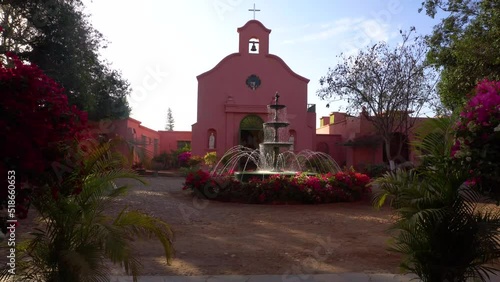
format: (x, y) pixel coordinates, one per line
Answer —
(172, 140)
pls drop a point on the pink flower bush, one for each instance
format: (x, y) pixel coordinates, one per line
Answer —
(184, 158)
(343, 186)
(477, 144)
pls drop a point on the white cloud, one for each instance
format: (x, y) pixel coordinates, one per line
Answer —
(357, 32)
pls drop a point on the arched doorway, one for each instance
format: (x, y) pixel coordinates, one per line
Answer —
(251, 131)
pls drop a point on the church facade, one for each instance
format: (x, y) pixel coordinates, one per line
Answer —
(233, 98)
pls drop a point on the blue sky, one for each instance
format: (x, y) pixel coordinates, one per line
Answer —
(161, 46)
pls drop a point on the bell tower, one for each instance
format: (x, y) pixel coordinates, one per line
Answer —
(254, 39)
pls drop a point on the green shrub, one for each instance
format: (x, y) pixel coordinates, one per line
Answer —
(375, 170)
(77, 237)
(210, 158)
(440, 230)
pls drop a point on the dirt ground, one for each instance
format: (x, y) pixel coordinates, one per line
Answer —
(214, 238)
(229, 238)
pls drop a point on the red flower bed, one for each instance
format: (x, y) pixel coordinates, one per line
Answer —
(345, 186)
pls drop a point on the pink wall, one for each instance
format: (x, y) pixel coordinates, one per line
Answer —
(333, 143)
(224, 99)
(169, 139)
(131, 131)
(351, 128)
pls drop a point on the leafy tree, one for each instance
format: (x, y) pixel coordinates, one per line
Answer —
(170, 121)
(464, 46)
(387, 85)
(56, 36)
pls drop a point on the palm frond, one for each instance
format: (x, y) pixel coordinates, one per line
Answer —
(435, 137)
(77, 236)
(139, 224)
(439, 229)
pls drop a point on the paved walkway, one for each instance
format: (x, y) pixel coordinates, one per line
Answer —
(338, 277)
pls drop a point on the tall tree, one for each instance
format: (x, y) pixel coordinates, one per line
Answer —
(388, 86)
(57, 36)
(464, 46)
(170, 120)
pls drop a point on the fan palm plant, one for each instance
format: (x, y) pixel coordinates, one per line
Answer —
(77, 237)
(440, 230)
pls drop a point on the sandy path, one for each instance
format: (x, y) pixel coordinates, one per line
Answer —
(230, 238)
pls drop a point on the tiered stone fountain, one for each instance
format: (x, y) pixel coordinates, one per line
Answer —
(270, 149)
(274, 155)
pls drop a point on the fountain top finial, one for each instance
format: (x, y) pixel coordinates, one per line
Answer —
(276, 97)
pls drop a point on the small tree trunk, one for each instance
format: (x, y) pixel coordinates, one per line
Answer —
(392, 165)
(387, 145)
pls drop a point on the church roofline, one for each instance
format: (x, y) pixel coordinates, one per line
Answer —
(271, 56)
(218, 65)
(280, 60)
(253, 21)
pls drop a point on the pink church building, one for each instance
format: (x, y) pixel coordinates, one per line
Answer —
(232, 106)
(233, 97)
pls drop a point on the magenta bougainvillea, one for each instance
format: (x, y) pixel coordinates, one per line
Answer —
(36, 120)
(184, 158)
(344, 186)
(477, 145)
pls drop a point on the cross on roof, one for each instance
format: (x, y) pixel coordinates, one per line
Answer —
(254, 10)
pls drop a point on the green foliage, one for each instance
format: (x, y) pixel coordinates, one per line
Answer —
(164, 160)
(441, 233)
(156, 166)
(171, 160)
(210, 158)
(375, 170)
(76, 235)
(185, 148)
(185, 171)
(57, 36)
(440, 230)
(195, 161)
(161, 157)
(434, 140)
(464, 45)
